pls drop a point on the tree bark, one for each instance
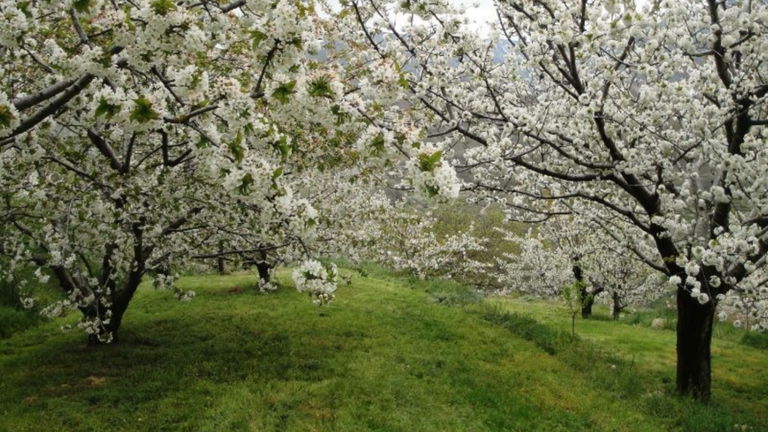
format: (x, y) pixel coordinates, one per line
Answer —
(108, 329)
(694, 339)
(587, 301)
(220, 264)
(617, 306)
(263, 268)
(120, 304)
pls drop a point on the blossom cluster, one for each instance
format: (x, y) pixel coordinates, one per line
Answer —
(317, 279)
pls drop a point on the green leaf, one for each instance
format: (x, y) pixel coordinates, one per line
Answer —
(128, 21)
(305, 10)
(284, 91)
(202, 142)
(297, 42)
(283, 147)
(378, 144)
(245, 184)
(403, 82)
(432, 191)
(146, 56)
(106, 109)
(321, 87)
(277, 173)
(341, 116)
(23, 6)
(428, 162)
(143, 111)
(6, 116)
(236, 147)
(82, 5)
(162, 7)
(258, 37)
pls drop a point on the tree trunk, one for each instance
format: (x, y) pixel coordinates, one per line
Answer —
(694, 339)
(263, 268)
(587, 301)
(108, 333)
(120, 303)
(220, 264)
(617, 306)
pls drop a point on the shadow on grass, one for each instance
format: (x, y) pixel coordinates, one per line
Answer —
(189, 351)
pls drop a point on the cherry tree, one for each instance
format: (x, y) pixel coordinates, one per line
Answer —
(136, 135)
(748, 309)
(411, 243)
(538, 269)
(361, 223)
(650, 113)
(568, 251)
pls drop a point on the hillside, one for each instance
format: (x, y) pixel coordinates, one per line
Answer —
(390, 354)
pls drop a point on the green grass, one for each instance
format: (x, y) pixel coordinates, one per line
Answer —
(740, 393)
(13, 316)
(388, 355)
(13, 320)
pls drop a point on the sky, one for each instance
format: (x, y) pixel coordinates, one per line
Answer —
(478, 11)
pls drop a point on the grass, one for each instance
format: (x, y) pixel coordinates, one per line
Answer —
(740, 394)
(388, 355)
(13, 320)
(13, 316)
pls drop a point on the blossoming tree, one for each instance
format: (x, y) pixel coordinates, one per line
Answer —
(569, 251)
(360, 222)
(650, 113)
(139, 134)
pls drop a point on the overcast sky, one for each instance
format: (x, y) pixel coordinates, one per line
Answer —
(478, 11)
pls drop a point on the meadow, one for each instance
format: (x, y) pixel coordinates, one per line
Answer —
(390, 354)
